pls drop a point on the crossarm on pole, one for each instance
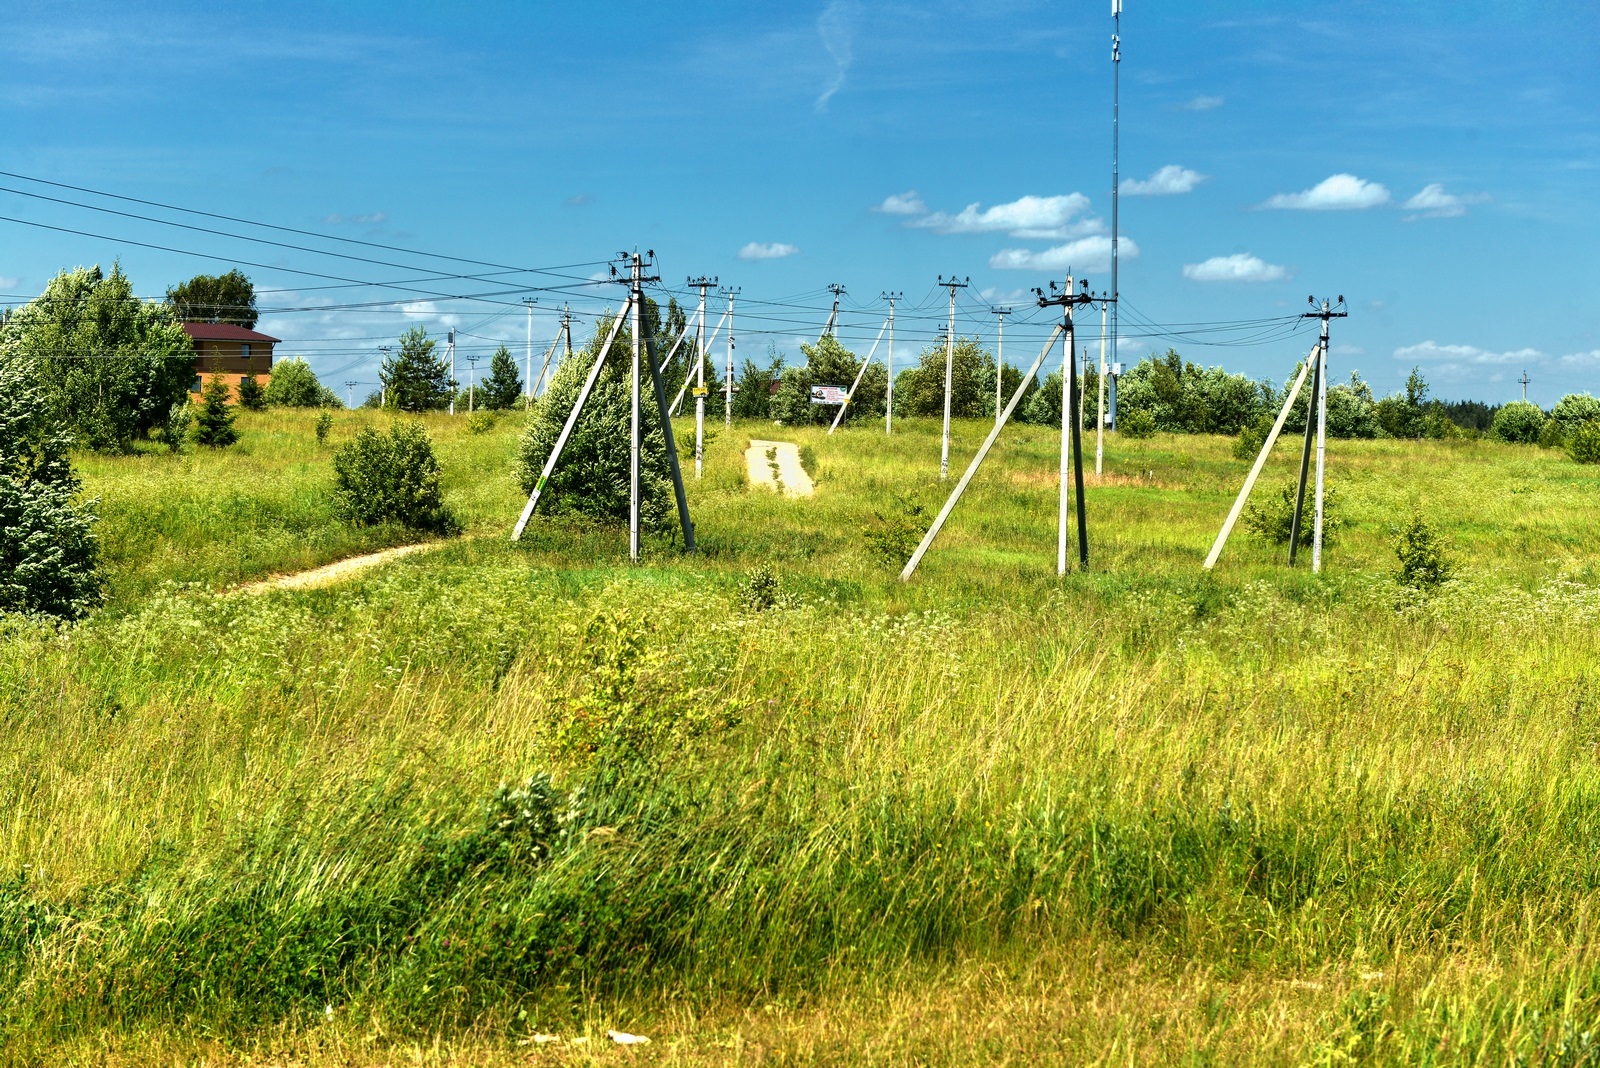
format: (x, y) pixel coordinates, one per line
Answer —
(1261, 460)
(983, 450)
(572, 421)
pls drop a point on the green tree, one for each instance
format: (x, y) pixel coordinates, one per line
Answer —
(753, 390)
(592, 476)
(222, 298)
(1584, 444)
(213, 425)
(1518, 423)
(1043, 406)
(251, 396)
(110, 365)
(1574, 410)
(920, 390)
(1401, 415)
(49, 558)
(503, 388)
(416, 379)
(295, 385)
(391, 478)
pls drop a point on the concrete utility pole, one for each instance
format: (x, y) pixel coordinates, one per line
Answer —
(833, 317)
(472, 382)
(702, 283)
(1071, 442)
(350, 391)
(1524, 380)
(999, 355)
(383, 378)
(888, 406)
(637, 294)
(451, 345)
(1320, 397)
(949, 372)
(727, 388)
(530, 302)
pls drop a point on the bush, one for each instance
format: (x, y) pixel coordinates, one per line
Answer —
(1552, 435)
(481, 422)
(391, 478)
(324, 424)
(1138, 423)
(1584, 446)
(1518, 423)
(1425, 560)
(214, 424)
(251, 396)
(49, 559)
(175, 429)
(898, 533)
(762, 590)
(293, 385)
(1272, 519)
(1574, 410)
(1247, 446)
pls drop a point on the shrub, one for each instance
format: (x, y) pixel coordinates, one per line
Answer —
(1272, 519)
(214, 424)
(391, 478)
(1552, 435)
(762, 589)
(481, 422)
(1574, 410)
(49, 559)
(175, 429)
(293, 385)
(324, 424)
(1518, 423)
(898, 533)
(251, 396)
(1247, 446)
(1138, 423)
(1425, 559)
(1584, 446)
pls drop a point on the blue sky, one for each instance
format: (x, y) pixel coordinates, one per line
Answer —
(1437, 163)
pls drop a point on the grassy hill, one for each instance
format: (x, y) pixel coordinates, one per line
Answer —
(1141, 814)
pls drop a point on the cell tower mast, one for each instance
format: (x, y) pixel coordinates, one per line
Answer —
(1116, 115)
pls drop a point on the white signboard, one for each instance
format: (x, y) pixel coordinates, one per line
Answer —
(829, 394)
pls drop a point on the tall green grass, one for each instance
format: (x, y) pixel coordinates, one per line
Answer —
(1216, 801)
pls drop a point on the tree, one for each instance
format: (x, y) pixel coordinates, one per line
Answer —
(920, 390)
(503, 388)
(214, 425)
(592, 476)
(753, 391)
(1573, 411)
(251, 396)
(828, 363)
(1401, 415)
(222, 298)
(49, 559)
(1518, 423)
(295, 385)
(416, 379)
(391, 478)
(110, 365)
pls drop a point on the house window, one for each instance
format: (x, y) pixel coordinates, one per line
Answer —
(244, 350)
(194, 384)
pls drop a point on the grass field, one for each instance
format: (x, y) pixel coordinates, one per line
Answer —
(1137, 815)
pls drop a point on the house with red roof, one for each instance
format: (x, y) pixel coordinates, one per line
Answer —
(230, 352)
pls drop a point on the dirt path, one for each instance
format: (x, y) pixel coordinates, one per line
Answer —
(776, 465)
(328, 574)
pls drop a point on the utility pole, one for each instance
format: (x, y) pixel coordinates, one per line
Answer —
(1116, 133)
(472, 382)
(350, 391)
(637, 292)
(727, 388)
(1524, 380)
(1318, 413)
(1100, 389)
(702, 283)
(451, 345)
(833, 317)
(949, 372)
(1071, 443)
(888, 406)
(530, 302)
(383, 378)
(999, 355)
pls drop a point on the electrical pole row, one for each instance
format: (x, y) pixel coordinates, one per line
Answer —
(702, 283)
(949, 371)
(888, 407)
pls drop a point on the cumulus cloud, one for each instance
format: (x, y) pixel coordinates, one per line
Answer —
(1169, 180)
(1434, 203)
(1341, 192)
(837, 28)
(1240, 267)
(1432, 352)
(907, 203)
(1202, 103)
(1046, 218)
(763, 250)
(1582, 359)
(1082, 255)
(373, 219)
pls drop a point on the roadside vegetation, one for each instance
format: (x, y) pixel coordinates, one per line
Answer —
(770, 798)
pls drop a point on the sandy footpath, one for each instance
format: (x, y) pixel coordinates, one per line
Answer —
(336, 571)
(795, 481)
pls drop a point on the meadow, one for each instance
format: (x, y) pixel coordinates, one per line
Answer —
(768, 804)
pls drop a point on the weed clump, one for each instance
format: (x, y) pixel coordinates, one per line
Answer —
(898, 533)
(391, 478)
(1425, 559)
(1272, 519)
(763, 589)
(481, 421)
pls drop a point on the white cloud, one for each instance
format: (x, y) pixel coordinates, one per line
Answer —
(1432, 352)
(1005, 297)
(1434, 203)
(1341, 192)
(9, 284)
(1043, 218)
(837, 28)
(1240, 267)
(1085, 254)
(762, 250)
(1581, 359)
(907, 203)
(1202, 103)
(372, 219)
(1168, 181)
